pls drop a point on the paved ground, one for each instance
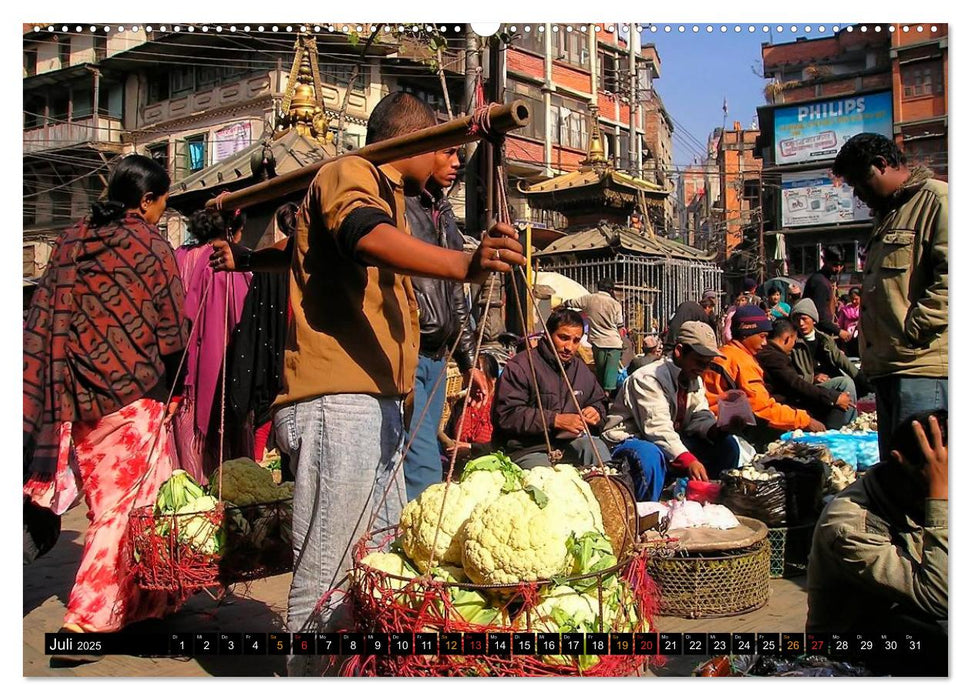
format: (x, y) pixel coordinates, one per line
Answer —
(260, 606)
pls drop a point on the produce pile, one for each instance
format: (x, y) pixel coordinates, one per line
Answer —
(190, 538)
(503, 549)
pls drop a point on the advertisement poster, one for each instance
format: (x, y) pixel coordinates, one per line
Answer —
(816, 130)
(810, 198)
(232, 139)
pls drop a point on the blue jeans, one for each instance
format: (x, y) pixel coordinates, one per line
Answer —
(647, 465)
(343, 449)
(835, 418)
(899, 397)
(423, 463)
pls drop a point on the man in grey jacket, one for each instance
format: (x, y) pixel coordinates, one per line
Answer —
(880, 550)
(606, 318)
(904, 314)
(666, 405)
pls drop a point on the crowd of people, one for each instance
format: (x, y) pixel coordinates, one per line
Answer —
(333, 345)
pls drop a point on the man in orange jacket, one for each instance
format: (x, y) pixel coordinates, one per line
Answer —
(740, 370)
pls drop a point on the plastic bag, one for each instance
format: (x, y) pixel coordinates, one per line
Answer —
(762, 500)
(805, 484)
(734, 404)
(746, 452)
(719, 517)
(686, 514)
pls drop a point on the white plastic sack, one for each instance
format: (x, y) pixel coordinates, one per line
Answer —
(746, 452)
(686, 514)
(719, 517)
(647, 507)
(734, 404)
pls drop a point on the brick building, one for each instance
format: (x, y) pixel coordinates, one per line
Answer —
(737, 208)
(557, 69)
(919, 67)
(823, 91)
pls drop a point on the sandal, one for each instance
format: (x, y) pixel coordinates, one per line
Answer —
(69, 659)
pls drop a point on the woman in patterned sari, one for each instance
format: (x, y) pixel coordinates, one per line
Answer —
(102, 343)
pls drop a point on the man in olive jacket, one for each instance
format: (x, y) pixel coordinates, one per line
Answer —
(879, 556)
(903, 317)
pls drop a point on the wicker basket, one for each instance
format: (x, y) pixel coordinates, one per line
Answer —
(790, 550)
(713, 585)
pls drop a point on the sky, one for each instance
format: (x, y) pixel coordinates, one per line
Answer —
(700, 71)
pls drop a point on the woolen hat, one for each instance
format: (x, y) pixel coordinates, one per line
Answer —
(749, 320)
(806, 307)
(700, 337)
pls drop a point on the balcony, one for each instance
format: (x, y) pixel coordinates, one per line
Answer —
(100, 130)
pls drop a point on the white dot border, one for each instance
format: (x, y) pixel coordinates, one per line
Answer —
(515, 30)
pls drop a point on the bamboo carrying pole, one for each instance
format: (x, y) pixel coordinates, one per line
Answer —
(502, 118)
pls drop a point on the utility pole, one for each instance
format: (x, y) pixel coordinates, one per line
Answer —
(632, 69)
(473, 69)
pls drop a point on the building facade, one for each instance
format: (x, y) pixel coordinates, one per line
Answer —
(822, 92)
(558, 70)
(919, 67)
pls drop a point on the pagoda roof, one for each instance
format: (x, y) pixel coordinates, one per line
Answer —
(625, 240)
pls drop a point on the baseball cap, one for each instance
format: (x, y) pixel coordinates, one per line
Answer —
(699, 336)
(709, 294)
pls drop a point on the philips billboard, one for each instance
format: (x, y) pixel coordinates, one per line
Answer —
(816, 130)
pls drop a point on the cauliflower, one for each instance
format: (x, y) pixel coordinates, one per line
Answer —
(196, 528)
(562, 609)
(393, 564)
(514, 539)
(420, 518)
(499, 465)
(570, 495)
(244, 482)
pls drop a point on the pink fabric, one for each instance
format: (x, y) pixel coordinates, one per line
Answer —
(848, 317)
(209, 339)
(113, 462)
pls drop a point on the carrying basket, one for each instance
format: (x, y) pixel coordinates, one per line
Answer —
(382, 602)
(256, 541)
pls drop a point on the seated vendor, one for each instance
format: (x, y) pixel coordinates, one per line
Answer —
(879, 556)
(739, 370)
(818, 360)
(828, 403)
(520, 425)
(661, 417)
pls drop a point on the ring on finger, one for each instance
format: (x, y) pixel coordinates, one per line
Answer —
(498, 256)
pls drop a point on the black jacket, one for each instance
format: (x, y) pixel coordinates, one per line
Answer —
(819, 288)
(442, 307)
(516, 420)
(787, 386)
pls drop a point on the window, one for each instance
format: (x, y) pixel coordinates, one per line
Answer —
(533, 97)
(58, 107)
(30, 62)
(567, 46)
(111, 100)
(33, 112)
(158, 88)
(340, 74)
(100, 48)
(159, 152)
(533, 40)
(81, 103)
(609, 77)
(195, 152)
(207, 77)
(803, 259)
(922, 79)
(182, 80)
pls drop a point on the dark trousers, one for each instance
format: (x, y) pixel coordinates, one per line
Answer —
(899, 397)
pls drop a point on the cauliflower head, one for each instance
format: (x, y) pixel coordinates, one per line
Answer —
(419, 519)
(393, 564)
(570, 495)
(513, 539)
(562, 609)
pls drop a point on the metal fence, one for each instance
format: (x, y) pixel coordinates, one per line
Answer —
(648, 288)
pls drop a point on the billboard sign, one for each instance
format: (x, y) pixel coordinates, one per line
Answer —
(810, 198)
(816, 130)
(232, 139)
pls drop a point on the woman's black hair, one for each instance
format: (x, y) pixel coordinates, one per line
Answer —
(856, 290)
(130, 180)
(208, 224)
(286, 218)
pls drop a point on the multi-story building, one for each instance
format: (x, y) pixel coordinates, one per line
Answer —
(557, 69)
(919, 66)
(658, 163)
(737, 208)
(823, 91)
(190, 99)
(699, 188)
